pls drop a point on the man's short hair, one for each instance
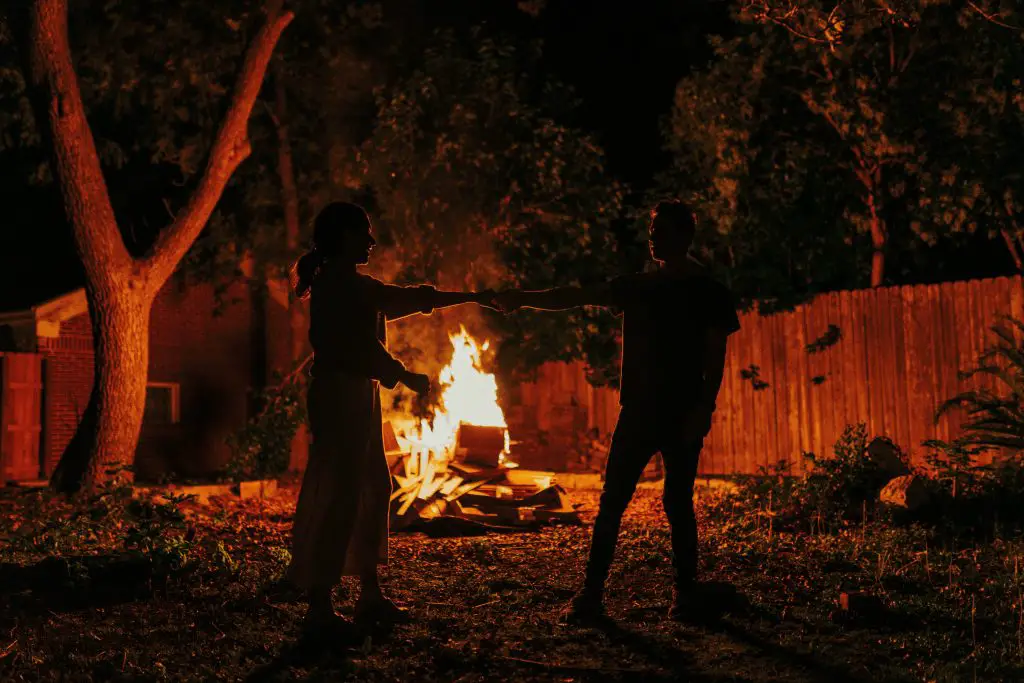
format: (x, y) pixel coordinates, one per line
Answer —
(679, 213)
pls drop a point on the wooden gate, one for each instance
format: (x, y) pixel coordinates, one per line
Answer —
(21, 392)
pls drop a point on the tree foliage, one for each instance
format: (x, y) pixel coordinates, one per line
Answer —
(808, 155)
(477, 184)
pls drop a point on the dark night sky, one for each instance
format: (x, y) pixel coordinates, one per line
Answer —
(625, 60)
(622, 59)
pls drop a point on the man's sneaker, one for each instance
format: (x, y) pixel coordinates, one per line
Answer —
(687, 605)
(704, 603)
(585, 607)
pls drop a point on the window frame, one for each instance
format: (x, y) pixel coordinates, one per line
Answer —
(175, 389)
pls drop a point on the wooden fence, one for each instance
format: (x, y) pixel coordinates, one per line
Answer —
(897, 358)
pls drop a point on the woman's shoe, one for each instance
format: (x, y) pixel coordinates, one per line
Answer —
(381, 611)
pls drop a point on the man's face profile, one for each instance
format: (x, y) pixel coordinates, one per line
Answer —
(668, 238)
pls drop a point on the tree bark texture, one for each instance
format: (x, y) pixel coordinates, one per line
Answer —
(290, 206)
(1013, 248)
(120, 289)
(878, 241)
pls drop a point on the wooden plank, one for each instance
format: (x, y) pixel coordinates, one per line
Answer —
(874, 349)
(838, 380)
(890, 358)
(982, 311)
(795, 378)
(819, 364)
(808, 365)
(963, 349)
(855, 412)
(861, 377)
(897, 306)
(911, 298)
(946, 356)
(770, 404)
(777, 340)
(747, 450)
(819, 396)
(764, 401)
(921, 351)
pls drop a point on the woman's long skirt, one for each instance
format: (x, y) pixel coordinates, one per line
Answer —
(341, 519)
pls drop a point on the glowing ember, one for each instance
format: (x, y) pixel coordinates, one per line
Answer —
(469, 396)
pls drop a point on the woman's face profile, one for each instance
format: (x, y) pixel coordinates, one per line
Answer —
(356, 246)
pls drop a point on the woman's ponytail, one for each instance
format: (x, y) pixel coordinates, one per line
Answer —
(333, 221)
(304, 272)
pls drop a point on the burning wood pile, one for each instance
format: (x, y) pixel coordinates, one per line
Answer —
(453, 476)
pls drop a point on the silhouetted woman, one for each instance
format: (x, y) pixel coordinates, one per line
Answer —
(341, 521)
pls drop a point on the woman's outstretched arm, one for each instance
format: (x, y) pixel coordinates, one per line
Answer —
(397, 302)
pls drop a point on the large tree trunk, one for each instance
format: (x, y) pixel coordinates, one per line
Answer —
(119, 288)
(290, 204)
(879, 237)
(113, 417)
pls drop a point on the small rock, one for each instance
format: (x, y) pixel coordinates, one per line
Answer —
(861, 603)
(886, 455)
(907, 492)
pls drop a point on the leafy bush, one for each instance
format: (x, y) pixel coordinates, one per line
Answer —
(262, 449)
(113, 515)
(843, 487)
(839, 490)
(973, 496)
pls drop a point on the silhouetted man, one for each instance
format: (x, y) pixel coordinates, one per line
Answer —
(675, 323)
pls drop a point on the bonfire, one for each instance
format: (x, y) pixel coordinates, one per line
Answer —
(454, 472)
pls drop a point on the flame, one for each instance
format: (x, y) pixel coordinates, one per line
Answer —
(469, 396)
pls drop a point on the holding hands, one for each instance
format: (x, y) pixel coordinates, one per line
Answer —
(505, 302)
(508, 301)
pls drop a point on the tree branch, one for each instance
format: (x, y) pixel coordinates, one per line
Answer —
(57, 103)
(230, 148)
(992, 17)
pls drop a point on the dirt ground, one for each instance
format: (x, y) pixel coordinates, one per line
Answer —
(486, 608)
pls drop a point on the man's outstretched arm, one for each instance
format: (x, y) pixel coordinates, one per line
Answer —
(557, 299)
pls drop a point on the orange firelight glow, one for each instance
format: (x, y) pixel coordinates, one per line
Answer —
(469, 396)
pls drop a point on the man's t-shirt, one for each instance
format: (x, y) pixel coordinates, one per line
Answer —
(665, 320)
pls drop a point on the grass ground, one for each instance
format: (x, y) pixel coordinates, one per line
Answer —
(486, 608)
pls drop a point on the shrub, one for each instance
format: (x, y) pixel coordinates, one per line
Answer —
(262, 448)
(839, 490)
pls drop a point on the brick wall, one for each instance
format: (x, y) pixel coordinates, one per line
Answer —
(67, 380)
(209, 356)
